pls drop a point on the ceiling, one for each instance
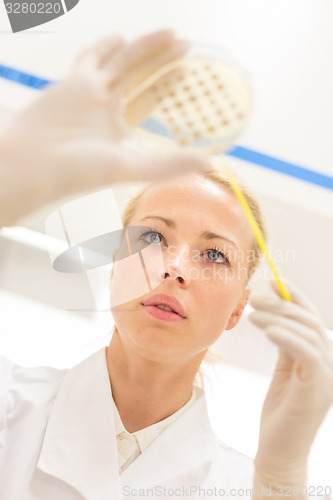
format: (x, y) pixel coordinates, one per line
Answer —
(286, 48)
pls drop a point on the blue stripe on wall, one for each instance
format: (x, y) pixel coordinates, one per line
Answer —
(17, 76)
(240, 152)
(281, 166)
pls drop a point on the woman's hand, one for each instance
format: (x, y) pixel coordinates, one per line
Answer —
(301, 391)
(69, 139)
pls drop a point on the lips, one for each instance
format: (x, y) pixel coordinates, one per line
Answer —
(166, 300)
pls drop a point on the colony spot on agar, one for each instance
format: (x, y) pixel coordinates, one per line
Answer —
(197, 105)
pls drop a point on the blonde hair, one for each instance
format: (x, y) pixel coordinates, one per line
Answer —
(215, 175)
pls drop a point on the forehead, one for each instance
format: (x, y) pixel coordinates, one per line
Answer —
(198, 204)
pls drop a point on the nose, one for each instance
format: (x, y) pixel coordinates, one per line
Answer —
(176, 264)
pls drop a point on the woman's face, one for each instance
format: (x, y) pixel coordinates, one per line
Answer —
(200, 242)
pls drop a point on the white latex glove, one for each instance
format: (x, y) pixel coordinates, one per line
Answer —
(301, 391)
(68, 140)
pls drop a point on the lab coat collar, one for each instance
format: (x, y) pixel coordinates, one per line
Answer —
(179, 451)
(79, 445)
(83, 451)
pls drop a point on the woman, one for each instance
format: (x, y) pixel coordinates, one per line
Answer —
(67, 436)
(209, 255)
(129, 421)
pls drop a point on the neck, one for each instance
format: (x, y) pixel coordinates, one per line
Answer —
(145, 391)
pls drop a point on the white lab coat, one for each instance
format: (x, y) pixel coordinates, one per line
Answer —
(57, 442)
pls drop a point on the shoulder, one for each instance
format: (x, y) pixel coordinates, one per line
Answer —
(234, 456)
(23, 388)
(233, 468)
(40, 376)
(221, 460)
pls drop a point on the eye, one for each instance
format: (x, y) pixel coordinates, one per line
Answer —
(153, 237)
(217, 256)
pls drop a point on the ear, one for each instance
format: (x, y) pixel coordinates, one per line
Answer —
(238, 311)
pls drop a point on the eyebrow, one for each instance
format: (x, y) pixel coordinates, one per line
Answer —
(207, 235)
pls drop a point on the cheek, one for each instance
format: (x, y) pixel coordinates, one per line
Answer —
(129, 281)
(218, 298)
(136, 275)
(221, 281)
(215, 299)
(223, 275)
(127, 271)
